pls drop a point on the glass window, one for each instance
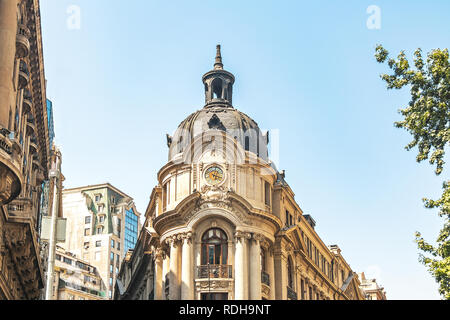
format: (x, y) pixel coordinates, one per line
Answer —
(112, 256)
(98, 243)
(214, 247)
(290, 274)
(102, 218)
(87, 232)
(87, 219)
(112, 243)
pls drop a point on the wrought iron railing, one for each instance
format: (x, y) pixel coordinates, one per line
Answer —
(291, 294)
(214, 271)
(265, 278)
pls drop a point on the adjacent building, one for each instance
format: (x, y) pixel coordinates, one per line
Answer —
(222, 222)
(25, 149)
(371, 289)
(76, 279)
(102, 224)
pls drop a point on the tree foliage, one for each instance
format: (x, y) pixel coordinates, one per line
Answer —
(427, 118)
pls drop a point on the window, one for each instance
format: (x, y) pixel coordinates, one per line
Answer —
(67, 260)
(112, 243)
(118, 245)
(290, 274)
(87, 219)
(117, 270)
(214, 247)
(98, 243)
(112, 257)
(86, 245)
(99, 230)
(87, 232)
(101, 218)
(110, 281)
(111, 268)
(266, 193)
(58, 257)
(113, 200)
(302, 293)
(97, 198)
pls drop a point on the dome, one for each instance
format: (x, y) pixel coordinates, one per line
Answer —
(223, 118)
(219, 114)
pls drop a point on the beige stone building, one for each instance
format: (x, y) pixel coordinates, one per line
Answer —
(25, 148)
(76, 279)
(223, 223)
(371, 289)
(102, 224)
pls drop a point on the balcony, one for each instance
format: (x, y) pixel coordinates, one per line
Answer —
(10, 183)
(214, 271)
(31, 128)
(21, 208)
(33, 146)
(24, 75)
(27, 102)
(291, 294)
(22, 41)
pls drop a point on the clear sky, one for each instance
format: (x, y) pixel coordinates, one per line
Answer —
(130, 71)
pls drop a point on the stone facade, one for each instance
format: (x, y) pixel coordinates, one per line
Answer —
(24, 148)
(222, 223)
(97, 227)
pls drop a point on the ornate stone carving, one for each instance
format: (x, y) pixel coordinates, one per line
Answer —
(214, 284)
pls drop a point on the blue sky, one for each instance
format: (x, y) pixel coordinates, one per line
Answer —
(132, 72)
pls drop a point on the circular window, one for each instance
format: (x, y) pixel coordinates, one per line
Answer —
(214, 175)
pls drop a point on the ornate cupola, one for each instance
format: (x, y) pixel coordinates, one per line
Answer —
(218, 84)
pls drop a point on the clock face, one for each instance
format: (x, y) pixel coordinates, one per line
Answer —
(214, 175)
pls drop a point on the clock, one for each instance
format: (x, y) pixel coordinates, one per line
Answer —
(214, 175)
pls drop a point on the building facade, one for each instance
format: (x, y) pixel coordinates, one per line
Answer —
(371, 289)
(223, 224)
(76, 279)
(24, 148)
(101, 222)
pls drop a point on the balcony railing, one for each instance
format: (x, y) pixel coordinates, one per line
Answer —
(265, 278)
(291, 294)
(64, 284)
(214, 271)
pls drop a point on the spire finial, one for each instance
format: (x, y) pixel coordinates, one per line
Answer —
(218, 64)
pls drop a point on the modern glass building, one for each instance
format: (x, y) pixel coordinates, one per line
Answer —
(131, 229)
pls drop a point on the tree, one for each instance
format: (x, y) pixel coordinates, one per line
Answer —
(427, 119)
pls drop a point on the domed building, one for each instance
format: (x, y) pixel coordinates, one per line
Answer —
(223, 224)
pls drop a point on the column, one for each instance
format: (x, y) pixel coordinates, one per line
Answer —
(174, 289)
(255, 267)
(187, 281)
(239, 267)
(165, 273)
(8, 31)
(271, 272)
(280, 262)
(158, 276)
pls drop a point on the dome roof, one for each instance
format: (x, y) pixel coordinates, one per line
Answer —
(219, 114)
(224, 118)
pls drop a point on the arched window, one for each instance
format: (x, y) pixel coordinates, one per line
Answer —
(214, 247)
(217, 88)
(290, 268)
(247, 143)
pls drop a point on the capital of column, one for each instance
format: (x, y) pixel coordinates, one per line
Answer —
(172, 240)
(241, 235)
(258, 237)
(185, 237)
